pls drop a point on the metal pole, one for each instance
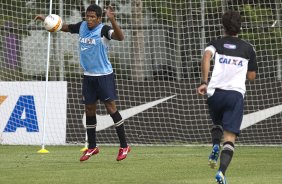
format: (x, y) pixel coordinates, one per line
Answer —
(59, 41)
(178, 50)
(203, 35)
(278, 17)
(43, 150)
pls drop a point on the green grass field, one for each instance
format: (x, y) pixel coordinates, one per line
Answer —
(144, 165)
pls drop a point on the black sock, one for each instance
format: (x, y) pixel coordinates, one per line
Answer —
(91, 123)
(119, 129)
(226, 156)
(216, 133)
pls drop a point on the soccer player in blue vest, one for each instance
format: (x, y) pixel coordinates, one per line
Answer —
(234, 61)
(98, 81)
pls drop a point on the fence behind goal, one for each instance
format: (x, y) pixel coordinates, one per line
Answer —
(157, 70)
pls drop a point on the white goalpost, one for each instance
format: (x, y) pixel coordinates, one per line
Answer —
(157, 70)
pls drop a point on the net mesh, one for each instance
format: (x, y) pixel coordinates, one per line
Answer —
(160, 57)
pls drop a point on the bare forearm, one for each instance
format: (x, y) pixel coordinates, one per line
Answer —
(65, 28)
(118, 34)
(205, 66)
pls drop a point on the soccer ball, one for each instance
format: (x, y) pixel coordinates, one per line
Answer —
(53, 23)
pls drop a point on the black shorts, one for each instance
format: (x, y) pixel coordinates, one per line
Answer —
(99, 88)
(226, 109)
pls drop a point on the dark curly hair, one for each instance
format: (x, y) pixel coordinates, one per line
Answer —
(95, 8)
(231, 21)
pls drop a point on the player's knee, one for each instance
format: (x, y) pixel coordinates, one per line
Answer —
(111, 107)
(90, 111)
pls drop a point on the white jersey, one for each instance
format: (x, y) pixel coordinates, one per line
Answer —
(233, 57)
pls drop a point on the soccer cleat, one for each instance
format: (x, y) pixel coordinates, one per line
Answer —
(214, 156)
(220, 178)
(88, 153)
(122, 153)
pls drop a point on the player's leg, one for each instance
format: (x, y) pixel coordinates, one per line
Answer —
(118, 121)
(227, 151)
(216, 134)
(216, 106)
(91, 124)
(225, 156)
(107, 94)
(232, 120)
(90, 98)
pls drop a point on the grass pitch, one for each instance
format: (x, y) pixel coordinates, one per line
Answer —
(144, 165)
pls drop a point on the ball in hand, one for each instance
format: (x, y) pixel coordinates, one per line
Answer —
(53, 23)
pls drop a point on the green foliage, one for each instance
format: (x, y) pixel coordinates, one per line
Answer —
(122, 17)
(255, 13)
(214, 6)
(23, 12)
(269, 40)
(259, 32)
(42, 6)
(166, 12)
(15, 16)
(14, 11)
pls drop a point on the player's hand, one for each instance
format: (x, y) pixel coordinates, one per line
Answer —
(202, 89)
(39, 17)
(110, 12)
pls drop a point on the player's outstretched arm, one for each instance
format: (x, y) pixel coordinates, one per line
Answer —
(65, 27)
(39, 17)
(117, 34)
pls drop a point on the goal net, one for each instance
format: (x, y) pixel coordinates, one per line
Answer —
(157, 70)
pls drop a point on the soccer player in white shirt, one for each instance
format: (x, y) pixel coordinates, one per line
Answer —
(234, 61)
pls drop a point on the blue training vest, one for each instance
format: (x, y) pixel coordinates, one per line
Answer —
(94, 50)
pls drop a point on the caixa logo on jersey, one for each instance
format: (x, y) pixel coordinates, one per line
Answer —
(23, 115)
(231, 61)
